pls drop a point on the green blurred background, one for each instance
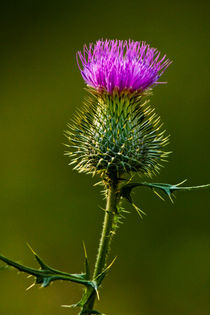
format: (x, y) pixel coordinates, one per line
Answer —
(163, 261)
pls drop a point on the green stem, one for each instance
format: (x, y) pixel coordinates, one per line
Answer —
(104, 244)
(107, 232)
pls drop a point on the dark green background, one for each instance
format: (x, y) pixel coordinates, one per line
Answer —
(163, 261)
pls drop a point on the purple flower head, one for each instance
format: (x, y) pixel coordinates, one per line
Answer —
(121, 65)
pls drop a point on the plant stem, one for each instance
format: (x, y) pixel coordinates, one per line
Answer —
(105, 242)
(107, 232)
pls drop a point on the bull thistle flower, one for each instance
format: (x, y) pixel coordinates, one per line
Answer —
(115, 135)
(117, 131)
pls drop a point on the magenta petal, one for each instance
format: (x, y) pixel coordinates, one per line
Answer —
(115, 64)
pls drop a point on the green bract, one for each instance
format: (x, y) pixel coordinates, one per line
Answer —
(116, 133)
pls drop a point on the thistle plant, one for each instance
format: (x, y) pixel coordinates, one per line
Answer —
(115, 136)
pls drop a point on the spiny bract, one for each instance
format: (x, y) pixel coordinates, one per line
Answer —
(116, 133)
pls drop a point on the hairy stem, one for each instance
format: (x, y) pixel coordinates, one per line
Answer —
(105, 242)
(107, 232)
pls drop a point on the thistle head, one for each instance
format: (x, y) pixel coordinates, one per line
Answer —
(121, 65)
(116, 131)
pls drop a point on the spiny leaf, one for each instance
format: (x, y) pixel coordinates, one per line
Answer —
(45, 275)
(168, 189)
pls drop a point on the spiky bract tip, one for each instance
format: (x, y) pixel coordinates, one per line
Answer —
(117, 133)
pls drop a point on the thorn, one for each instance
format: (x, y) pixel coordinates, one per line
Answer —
(184, 181)
(68, 306)
(106, 210)
(102, 208)
(131, 178)
(139, 211)
(98, 183)
(31, 249)
(84, 248)
(97, 293)
(158, 195)
(171, 198)
(125, 211)
(31, 286)
(109, 266)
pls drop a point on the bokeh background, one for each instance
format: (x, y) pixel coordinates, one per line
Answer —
(163, 261)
